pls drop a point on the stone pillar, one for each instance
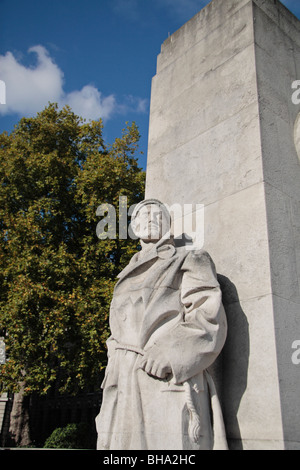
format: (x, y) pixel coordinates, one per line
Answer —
(3, 402)
(221, 134)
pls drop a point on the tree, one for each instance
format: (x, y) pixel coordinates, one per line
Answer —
(56, 277)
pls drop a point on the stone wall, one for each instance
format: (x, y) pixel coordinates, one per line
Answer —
(221, 134)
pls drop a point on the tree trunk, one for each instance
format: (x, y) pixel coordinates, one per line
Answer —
(19, 430)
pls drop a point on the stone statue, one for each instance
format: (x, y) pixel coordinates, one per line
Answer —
(167, 326)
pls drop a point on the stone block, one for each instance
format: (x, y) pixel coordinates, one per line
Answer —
(249, 368)
(222, 134)
(202, 169)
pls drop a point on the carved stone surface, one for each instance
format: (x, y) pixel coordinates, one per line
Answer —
(167, 327)
(224, 133)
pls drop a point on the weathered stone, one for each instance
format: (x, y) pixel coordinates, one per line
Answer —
(168, 326)
(222, 133)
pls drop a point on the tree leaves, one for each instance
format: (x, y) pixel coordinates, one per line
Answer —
(56, 277)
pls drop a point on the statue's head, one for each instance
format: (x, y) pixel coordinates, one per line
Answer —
(151, 220)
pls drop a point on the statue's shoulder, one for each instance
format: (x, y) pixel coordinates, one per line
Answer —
(195, 253)
(196, 258)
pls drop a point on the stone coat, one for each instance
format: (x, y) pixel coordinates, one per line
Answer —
(167, 303)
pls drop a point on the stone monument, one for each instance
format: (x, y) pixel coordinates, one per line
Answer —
(222, 134)
(168, 325)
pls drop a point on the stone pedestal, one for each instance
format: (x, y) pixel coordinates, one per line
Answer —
(221, 134)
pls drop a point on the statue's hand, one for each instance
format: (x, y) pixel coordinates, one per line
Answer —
(155, 364)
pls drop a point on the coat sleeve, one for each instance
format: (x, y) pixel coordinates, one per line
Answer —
(196, 341)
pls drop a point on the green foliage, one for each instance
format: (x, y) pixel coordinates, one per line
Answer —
(56, 276)
(72, 436)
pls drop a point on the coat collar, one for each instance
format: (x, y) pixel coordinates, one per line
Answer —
(163, 249)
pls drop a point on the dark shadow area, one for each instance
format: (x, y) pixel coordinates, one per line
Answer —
(55, 411)
(232, 365)
(183, 240)
(230, 370)
(6, 418)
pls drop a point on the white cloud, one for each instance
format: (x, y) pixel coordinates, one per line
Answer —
(88, 103)
(29, 89)
(133, 103)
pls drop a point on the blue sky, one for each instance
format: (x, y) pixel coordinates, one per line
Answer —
(98, 56)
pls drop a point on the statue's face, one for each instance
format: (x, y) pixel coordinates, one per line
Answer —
(150, 223)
